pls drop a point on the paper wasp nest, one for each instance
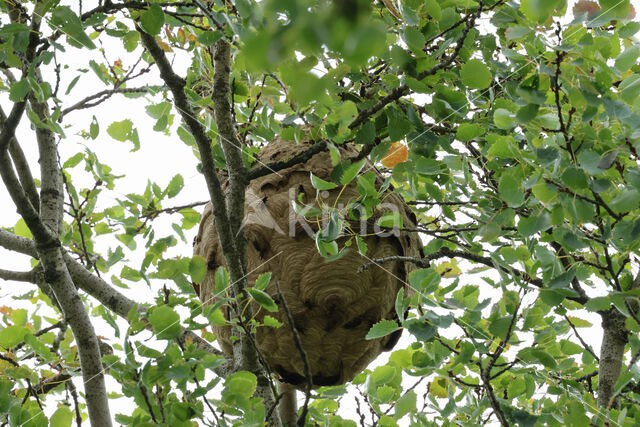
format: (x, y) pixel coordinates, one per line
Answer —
(333, 304)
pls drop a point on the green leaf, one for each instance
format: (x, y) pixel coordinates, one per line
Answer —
(434, 9)
(406, 404)
(382, 329)
(562, 280)
(175, 185)
(475, 74)
(439, 387)
(626, 201)
(366, 134)
(320, 184)
(575, 179)
(516, 387)
(197, 269)
(511, 191)
(152, 20)
(131, 41)
(263, 281)
(415, 39)
(534, 224)
(579, 323)
(503, 119)
(613, 9)
(391, 220)
(21, 229)
(264, 299)
(384, 394)
(271, 322)
(399, 305)
(527, 113)
(598, 304)
(424, 280)
(120, 131)
(500, 326)
(539, 10)
(241, 383)
(468, 131)
(352, 171)
(209, 38)
(569, 347)
(39, 347)
(627, 58)
(165, 322)
(62, 417)
(12, 336)
(544, 192)
(124, 131)
(19, 90)
(70, 24)
(94, 128)
(544, 358)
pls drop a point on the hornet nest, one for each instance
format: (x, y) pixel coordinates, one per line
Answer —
(333, 303)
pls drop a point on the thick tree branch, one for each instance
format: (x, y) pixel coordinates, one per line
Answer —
(57, 275)
(120, 304)
(614, 340)
(229, 142)
(22, 166)
(18, 276)
(245, 350)
(24, 172)
(176, 85)
(97, 288)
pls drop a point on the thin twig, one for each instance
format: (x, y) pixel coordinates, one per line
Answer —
(303, 355)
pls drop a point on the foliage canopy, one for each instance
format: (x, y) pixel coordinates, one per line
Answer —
(512, 129)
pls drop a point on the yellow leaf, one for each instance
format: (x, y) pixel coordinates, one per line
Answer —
(164, 46)
(397, 153)
(438, 387)
(449, 269)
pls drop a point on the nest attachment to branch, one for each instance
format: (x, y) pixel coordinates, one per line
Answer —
(333, 304)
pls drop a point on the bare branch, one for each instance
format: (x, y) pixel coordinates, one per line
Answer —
(278, 166)
(102, 96)
(303, 355)
(583, 342)
(18, 276)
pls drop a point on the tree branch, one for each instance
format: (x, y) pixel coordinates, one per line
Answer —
(176, 85)
(584, 344)
(303, 355)
(18, 276)
(303, 157)
(101, 97)
(56, 273)
(614, 340)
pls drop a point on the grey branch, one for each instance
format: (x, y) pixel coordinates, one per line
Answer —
(614, 340)
(17, 276)
(99, 97)
(176, 85)
(57, 275)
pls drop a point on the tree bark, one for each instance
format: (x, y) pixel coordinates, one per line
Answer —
(614, 340)
(288, 405)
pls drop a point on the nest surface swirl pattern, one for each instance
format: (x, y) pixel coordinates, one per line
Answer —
(333, 304)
